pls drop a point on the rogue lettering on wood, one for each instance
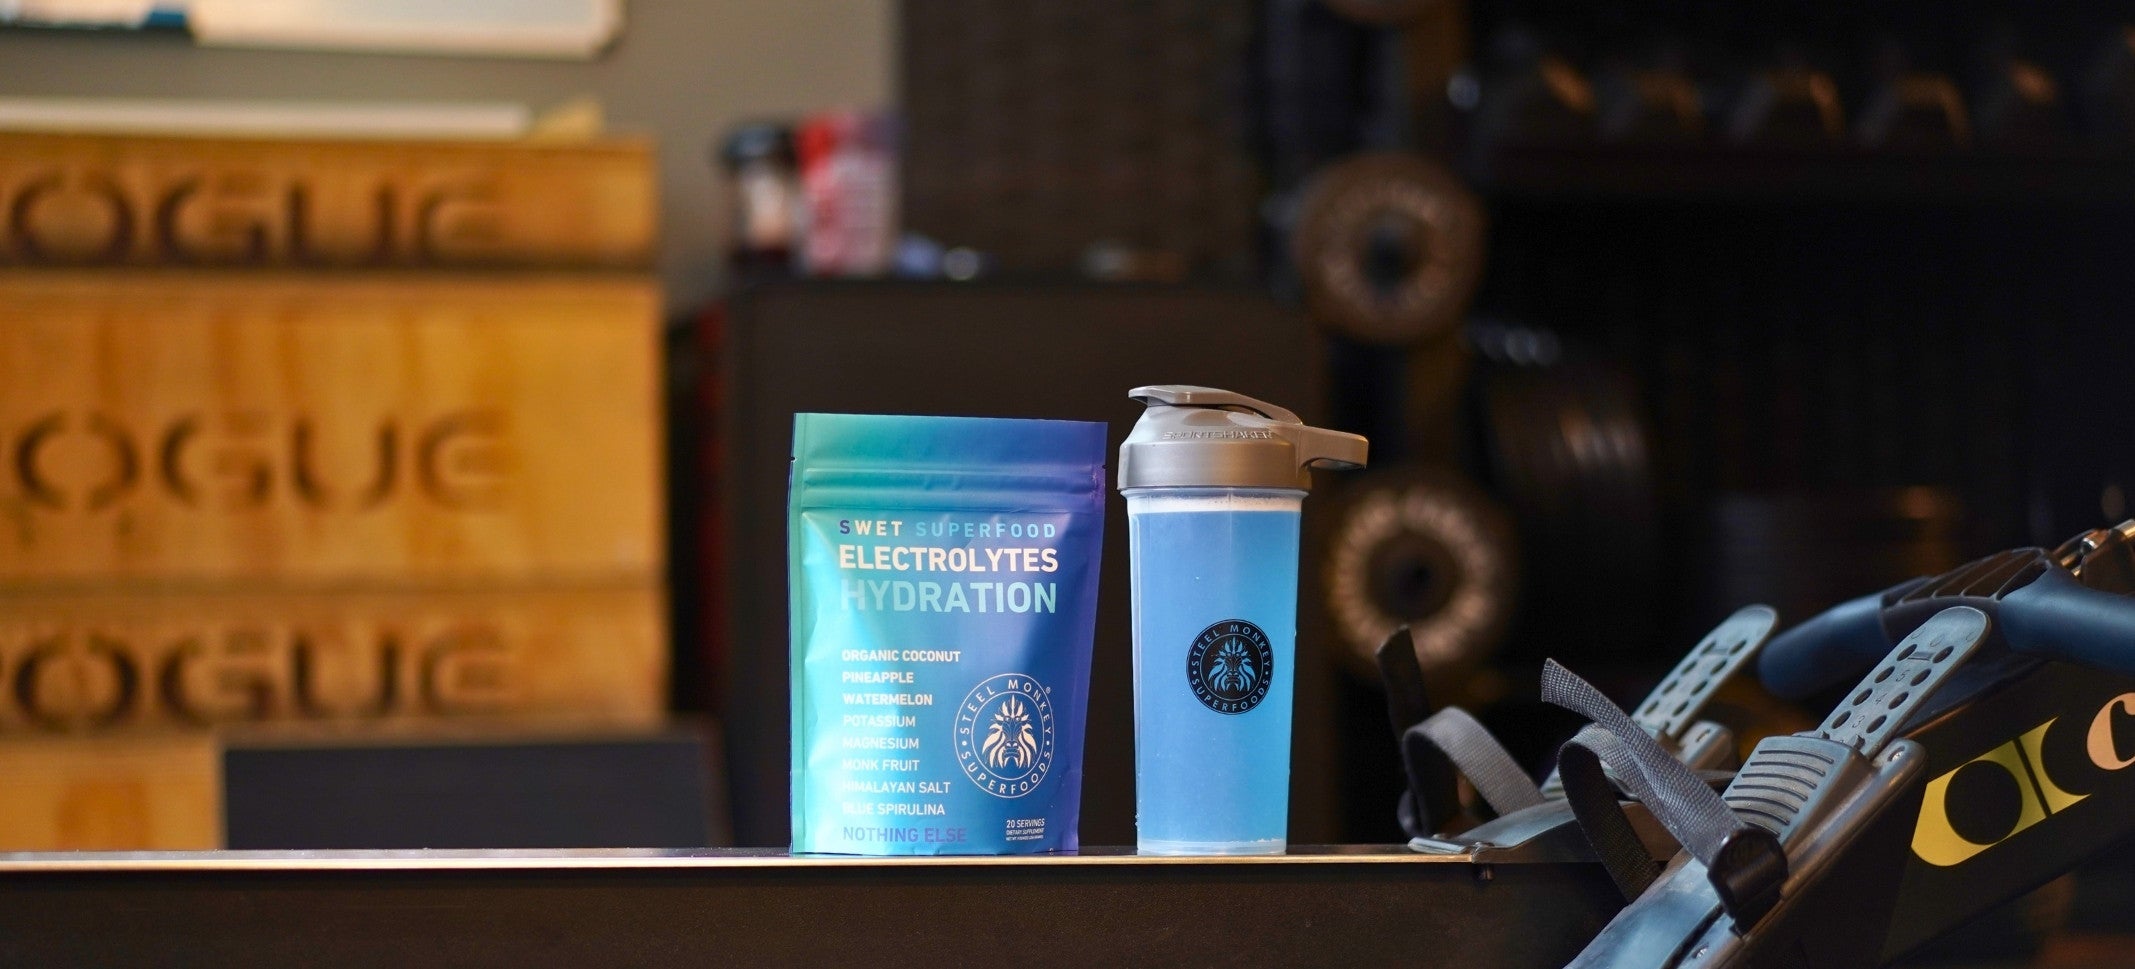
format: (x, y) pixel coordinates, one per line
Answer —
(83, 200)
(93, 662)
(211, 426)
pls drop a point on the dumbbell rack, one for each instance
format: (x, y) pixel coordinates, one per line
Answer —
(1350, 906)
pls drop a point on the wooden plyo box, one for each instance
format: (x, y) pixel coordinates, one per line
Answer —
(113, 661)
(110, 200)
(160, 427)
(149, 793)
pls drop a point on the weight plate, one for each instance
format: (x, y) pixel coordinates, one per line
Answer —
(1389, 247)
(1422, 547)
(1566, 449)
(1569, 451)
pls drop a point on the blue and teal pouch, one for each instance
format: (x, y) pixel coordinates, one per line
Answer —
(943, 576)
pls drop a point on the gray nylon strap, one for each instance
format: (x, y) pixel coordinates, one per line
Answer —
(1594, 803)
(1481, 759)
(1685, 804)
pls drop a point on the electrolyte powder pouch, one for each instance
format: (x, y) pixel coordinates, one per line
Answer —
(943, 573)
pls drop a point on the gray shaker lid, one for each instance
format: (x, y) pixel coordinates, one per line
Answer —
(1204, 437)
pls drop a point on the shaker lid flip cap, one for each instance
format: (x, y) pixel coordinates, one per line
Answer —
(1205, 437)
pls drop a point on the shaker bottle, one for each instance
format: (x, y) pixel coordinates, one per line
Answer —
(1214, 482)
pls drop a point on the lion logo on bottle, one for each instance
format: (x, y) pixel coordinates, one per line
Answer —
(1232, 671)
(1004, 734)
(1230, 666)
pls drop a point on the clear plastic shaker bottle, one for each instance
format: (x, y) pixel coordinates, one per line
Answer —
(1214, 483)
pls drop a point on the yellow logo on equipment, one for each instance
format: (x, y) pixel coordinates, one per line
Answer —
(1935, 838)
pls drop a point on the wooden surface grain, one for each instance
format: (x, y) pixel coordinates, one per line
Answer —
(163, 426)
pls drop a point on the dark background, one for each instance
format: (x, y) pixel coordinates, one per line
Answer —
(1844, 352)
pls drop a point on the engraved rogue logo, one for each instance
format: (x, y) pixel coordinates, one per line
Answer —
(1945, 837)
(1004, 735)
(1230, 666)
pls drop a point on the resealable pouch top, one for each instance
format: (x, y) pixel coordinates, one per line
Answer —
(943, 577)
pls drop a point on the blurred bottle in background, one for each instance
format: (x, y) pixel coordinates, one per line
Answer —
(765, 200)
(848, 179)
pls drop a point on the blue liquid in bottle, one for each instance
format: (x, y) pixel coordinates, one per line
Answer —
(1215, 632)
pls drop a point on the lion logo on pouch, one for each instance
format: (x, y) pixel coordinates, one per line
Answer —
(1004, 734)
(1230, 666)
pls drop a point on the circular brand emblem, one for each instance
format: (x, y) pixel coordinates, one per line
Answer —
(1004, 734)
(1230, 666)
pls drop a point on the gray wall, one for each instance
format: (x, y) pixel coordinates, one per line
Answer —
(683, 70)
